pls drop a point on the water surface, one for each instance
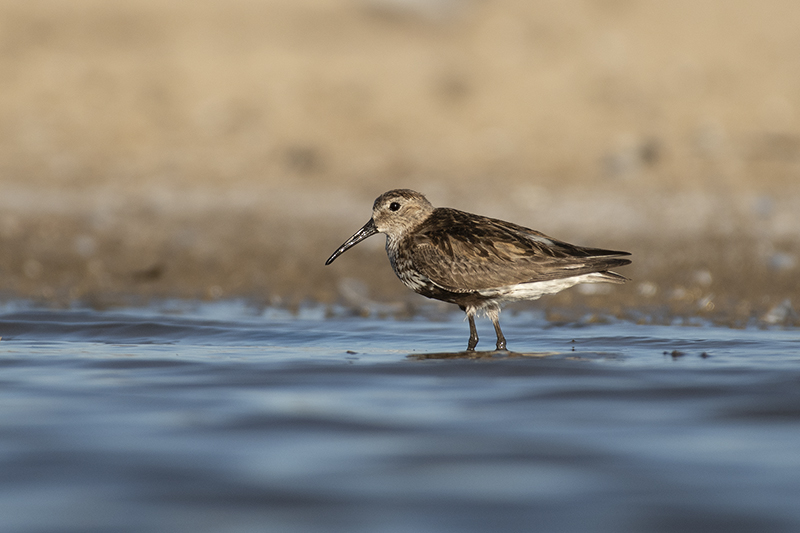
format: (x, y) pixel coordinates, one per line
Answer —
(222, 418)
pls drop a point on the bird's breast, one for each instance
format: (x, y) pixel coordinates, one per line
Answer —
(407, 272)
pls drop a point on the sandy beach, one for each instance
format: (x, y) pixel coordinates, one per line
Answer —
(225, 149)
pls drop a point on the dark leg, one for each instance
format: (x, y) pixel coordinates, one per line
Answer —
(501, 341)
(473, 334)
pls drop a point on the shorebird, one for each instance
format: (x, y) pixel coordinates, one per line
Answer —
(476, 262)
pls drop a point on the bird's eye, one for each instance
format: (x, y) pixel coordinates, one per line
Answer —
(394, 206)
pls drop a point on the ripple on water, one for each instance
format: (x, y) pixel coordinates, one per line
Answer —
(211, 418)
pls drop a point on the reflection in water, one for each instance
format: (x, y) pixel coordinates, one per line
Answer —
(487, 355)
(229, 419)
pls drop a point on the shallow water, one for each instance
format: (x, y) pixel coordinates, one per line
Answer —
(221, 418)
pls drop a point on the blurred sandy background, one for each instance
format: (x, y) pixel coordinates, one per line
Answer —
(217, 149)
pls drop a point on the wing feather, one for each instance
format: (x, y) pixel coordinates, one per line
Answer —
(461, 252)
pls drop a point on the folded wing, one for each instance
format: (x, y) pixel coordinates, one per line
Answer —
(464, 253)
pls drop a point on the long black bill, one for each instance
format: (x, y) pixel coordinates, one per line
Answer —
(366, 230)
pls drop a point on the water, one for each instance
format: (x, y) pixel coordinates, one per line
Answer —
(220, 418)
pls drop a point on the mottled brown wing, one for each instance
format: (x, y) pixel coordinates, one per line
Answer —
(462, 252)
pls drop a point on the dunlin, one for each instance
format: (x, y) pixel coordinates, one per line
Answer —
(477, 262)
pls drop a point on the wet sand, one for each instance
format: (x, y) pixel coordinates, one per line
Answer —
(223, 150)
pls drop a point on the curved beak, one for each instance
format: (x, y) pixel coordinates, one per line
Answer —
(366, 230)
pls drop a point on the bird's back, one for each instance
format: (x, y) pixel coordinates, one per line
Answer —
(462, 252)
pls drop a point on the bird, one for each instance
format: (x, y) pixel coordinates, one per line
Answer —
(477, 262)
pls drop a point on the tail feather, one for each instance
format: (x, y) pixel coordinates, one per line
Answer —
(612, 277)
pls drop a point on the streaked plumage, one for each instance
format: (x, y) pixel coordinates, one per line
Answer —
(477, 262)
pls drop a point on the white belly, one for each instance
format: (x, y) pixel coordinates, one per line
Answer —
(537, 289)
